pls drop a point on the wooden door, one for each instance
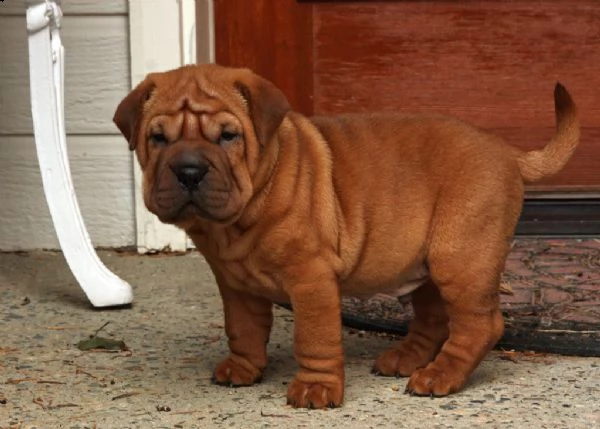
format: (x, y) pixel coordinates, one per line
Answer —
(493, 63)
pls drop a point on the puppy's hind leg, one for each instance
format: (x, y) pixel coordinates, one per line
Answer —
(467, 274)
(426, 334)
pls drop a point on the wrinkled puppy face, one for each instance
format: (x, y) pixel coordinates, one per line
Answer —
(198, 133)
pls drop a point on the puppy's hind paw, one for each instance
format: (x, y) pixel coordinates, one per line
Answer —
(432, 382)
(236, 371)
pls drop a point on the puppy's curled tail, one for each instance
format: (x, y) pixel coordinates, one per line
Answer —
(538, 164)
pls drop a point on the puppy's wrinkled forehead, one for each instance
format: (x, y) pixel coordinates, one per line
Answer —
(197, 89)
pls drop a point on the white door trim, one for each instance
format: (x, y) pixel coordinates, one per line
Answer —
(162, 36)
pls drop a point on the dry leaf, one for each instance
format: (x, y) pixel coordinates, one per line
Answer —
(506, 288)
(101, 343)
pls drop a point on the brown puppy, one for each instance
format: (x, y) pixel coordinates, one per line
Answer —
(287, 208)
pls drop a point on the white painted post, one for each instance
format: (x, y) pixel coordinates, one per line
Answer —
(46, 68)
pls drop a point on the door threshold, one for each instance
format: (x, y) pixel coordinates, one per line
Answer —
(560, 217)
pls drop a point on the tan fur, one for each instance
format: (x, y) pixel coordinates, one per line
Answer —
(305, 210)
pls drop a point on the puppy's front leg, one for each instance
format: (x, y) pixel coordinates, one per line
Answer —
(248, 321)
(319, 382)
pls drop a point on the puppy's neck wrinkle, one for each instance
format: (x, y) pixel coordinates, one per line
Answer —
(220, 242)
(278, 183)
(303, 192)
(262, 184)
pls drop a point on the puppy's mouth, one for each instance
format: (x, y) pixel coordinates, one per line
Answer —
(192, 187)
(176, 205)
(187, 193)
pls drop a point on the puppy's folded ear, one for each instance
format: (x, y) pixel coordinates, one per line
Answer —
(266, 103)
(129, 111)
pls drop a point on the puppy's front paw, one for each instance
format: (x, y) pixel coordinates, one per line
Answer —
(433, 381)
(302, 394)
(236, 371)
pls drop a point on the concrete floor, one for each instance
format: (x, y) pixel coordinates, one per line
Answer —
(175, 336)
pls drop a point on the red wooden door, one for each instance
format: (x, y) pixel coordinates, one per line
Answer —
(493, 63)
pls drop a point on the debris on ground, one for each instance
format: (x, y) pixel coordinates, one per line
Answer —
(96, 342)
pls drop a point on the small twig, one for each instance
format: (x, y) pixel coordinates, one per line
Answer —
(187, 412)
(567, 331)
(67, 405)
(81, 371)
(124, 353)
(211, 340)
(193, 359)
(510, 357)
(57, 328)
(125, 395)
(40, 402)
(263, 414)
(100, 328)
(18, 380)
(50, 382)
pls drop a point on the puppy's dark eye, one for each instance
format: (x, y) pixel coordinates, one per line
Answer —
(227, 136)
(159, 139)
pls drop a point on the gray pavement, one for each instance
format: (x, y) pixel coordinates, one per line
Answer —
(175, 337)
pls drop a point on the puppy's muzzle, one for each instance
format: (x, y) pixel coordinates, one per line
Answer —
(189, 171)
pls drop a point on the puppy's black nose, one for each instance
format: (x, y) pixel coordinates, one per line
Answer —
(189, 176)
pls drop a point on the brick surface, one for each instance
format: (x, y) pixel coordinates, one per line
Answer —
(561, 275)
(555, 283)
